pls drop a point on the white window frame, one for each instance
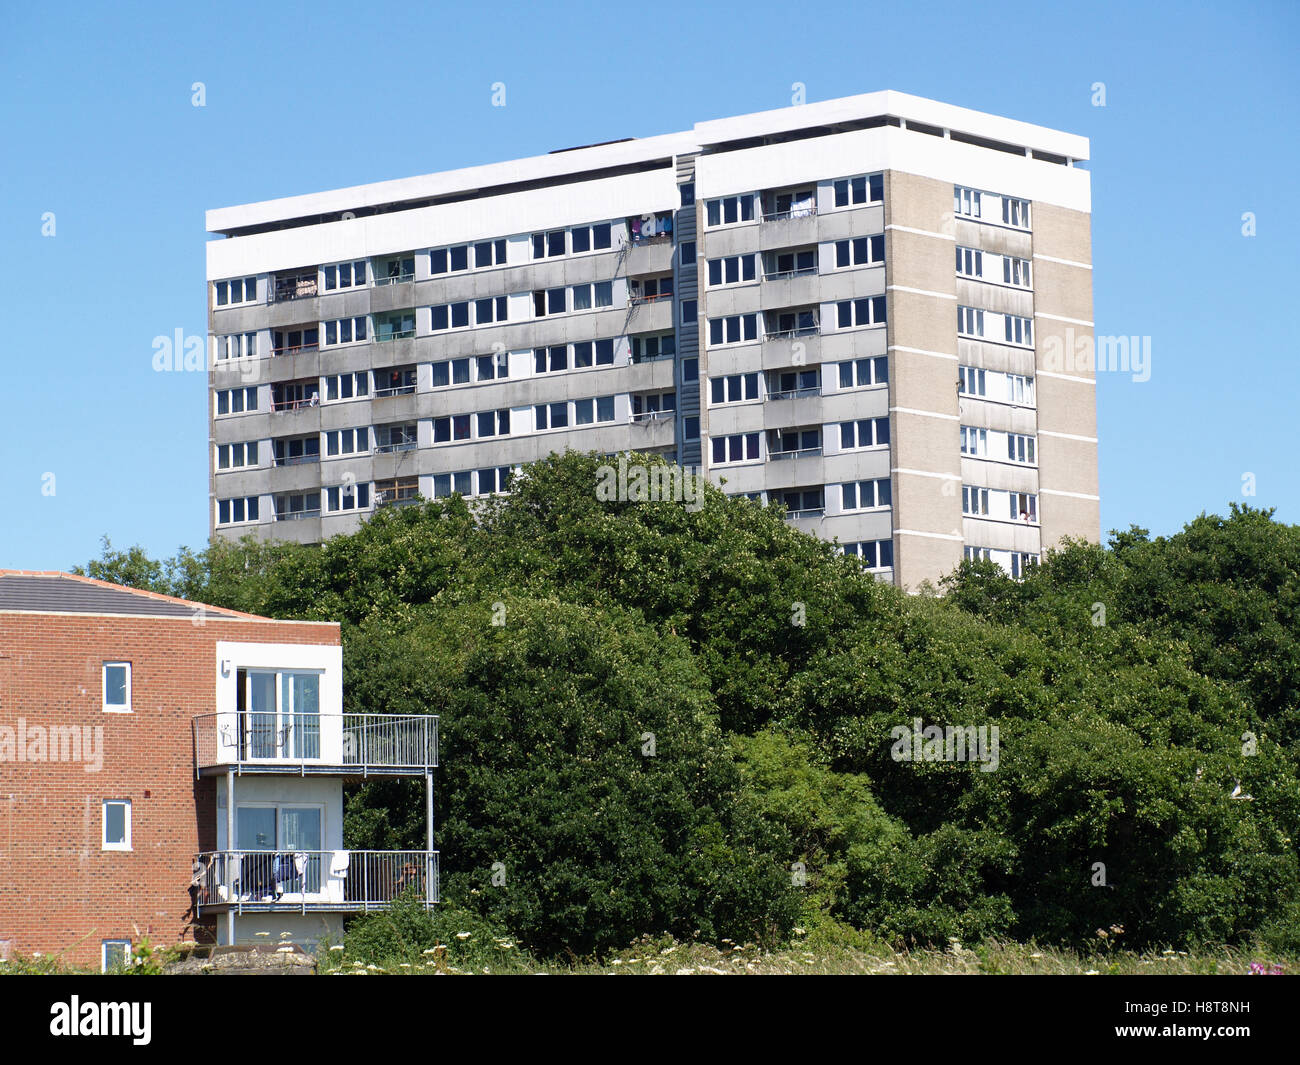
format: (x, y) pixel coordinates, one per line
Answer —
(104, 944)
(125, 844)
(108, 707)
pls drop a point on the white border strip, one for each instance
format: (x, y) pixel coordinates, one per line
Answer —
(922, 232)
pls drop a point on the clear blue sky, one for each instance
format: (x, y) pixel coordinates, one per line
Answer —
(1200, 126)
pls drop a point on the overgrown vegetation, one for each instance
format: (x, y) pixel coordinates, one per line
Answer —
(637, 730)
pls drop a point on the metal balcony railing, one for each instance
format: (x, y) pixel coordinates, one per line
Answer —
(400, 390)
(796, 331)
(396, 279)
(801, 453)
(296, 349)
(785, 275)
(803, 209)
(653, 415)
(297, 515)
(396, 334)
(294, 288)
(275, 742)
(795, 393)
(396, 445)
(312, 880)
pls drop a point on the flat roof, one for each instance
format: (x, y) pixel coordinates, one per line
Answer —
(55, 592)
(643, 150)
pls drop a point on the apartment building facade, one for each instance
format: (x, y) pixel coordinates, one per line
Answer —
(174, 771)
(855, 308)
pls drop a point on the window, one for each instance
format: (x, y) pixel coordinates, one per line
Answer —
(687, 190)
(860, 312)
(449, 316)
(398, 381)
(873, 554)
(867, 432)
(551, 416)
(236, 400)
(293, 341)
(646, 406)
(729, 210)
(395, 271)
(449, 260)
(492, 367)
(786, 443)
(235, 456)
(966, 202)
(454, 427)
(294, 506)
(788, 384)
(735, 388)
(690, 370)
(345, 331)
(489, 253)
(1020, 389)
(1024, 505)
(863, 372)
(970, 262)
(1015, 212)
(114, 954)
(978, 554)
(395, 326)
(232, 511)
(789, 203)
(342, 386)
(117, 687)
(549, 301)
(445, 484)
(345, 275)
(1019, 330)
(1015, 271)
(551, 360)
(241, 290)
(493, 423)
(864, 495)
(601, 409)
(292, 450)
(739, 448)
(493, 480)
(732, 270)
(452, 371)
(402, 437)
(970, 321)
(1020, 448)
(974, 501)
(657, 346)
(117, 825)
(971, 381)
(598, 352)
(587, 238)
(860, 251)
(733, 329)
(791, 323)
(547, 245)
(1020, 562)
(686, 254)
(347, 441)
(490, 310)
(347, 497)
(293, 395)
(235, 346)
(784, 264)
(690, 312)
(974, 442)
(851, 191)
(648, 289)
(601, 294)
(801, 502)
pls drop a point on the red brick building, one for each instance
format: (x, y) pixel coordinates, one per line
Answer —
(127, 721)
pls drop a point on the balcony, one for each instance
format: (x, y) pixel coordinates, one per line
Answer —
(800, 453)
(296, 286)
(255, 741)
(338, 881)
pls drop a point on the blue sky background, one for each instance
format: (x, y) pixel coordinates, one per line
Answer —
(1199, 127)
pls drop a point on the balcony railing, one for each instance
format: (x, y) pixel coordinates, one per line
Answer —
(267, 741)
(336, 880)
(795, 393)
(799, 210)
(636, 299)
(652, 415)
(400, 390)
(785, 275)
(810, 512)
(278, 405)
(296, 349)
(396, 279)
(800, 453)
(796, 331)
(396, 334)
(396, 445)
(297, 515)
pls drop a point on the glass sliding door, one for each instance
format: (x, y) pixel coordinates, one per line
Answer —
(300, 707)
(300, 830)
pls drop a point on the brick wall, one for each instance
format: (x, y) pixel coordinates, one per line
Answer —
(60, 892)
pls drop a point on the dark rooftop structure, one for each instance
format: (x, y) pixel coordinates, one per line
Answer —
(25, 591)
